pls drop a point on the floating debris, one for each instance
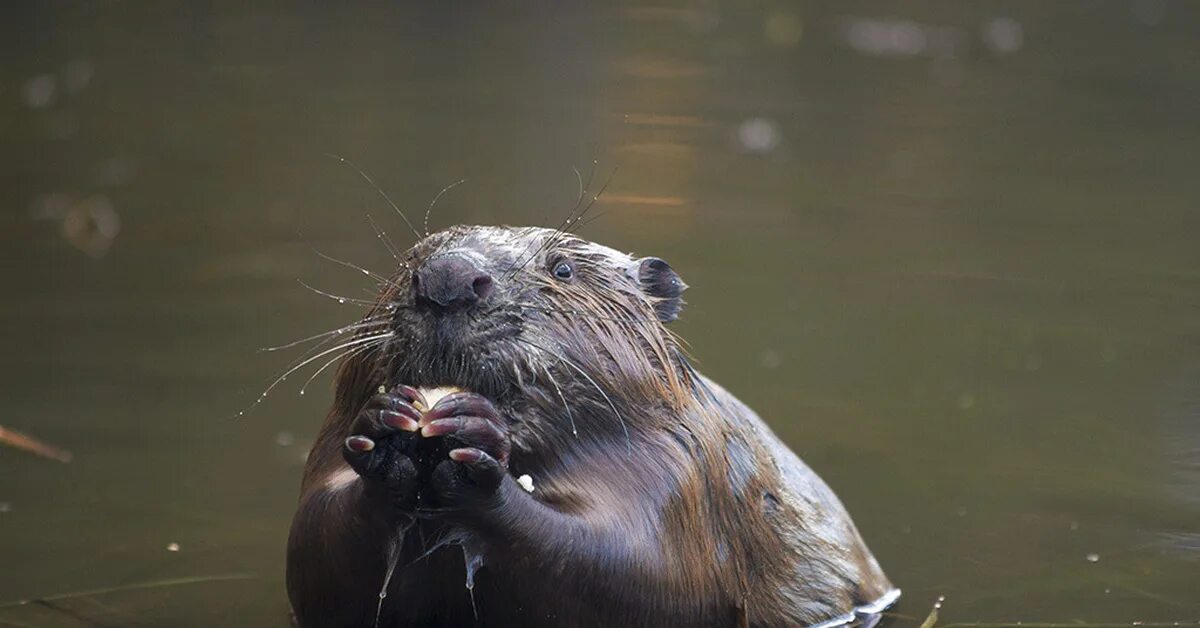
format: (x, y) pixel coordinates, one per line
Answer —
(885, 37)
(285, 439)
(1003, 35)
(137, 586)
(172, 547)
(40, 91)
(27, 443)
(114, 171)
(759, 135)
(5, 507)
(77, 75)
(1093, 558)
(901, 38)
(783, 28)
(771, 359)
(526, 483)
(89, 225)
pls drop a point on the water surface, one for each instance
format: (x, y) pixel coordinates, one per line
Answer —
(948, 250)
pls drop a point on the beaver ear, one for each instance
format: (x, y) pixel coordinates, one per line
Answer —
(662, 284)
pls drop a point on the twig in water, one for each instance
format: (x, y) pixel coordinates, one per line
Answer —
(931, 620)
(27, 443)
(137, 586)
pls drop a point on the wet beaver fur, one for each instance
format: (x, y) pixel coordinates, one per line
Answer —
(658, 499)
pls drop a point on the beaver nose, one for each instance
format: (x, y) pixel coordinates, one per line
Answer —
(452, 281)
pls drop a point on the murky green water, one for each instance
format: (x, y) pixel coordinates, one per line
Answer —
(950, 250)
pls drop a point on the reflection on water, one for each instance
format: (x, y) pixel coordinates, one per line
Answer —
(948, 250)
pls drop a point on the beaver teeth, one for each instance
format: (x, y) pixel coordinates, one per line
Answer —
(433, 395)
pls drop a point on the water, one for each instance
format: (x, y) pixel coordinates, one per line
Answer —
(947, 249)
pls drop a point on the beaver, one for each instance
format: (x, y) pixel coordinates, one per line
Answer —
(518, 419)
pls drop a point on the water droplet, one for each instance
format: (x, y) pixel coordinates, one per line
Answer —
(341, 300)
(172, 547)
(1093, 558)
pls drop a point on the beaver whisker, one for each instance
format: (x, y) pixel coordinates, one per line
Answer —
(429, 211)
(566, 406)
(435, 200)
(578, 369)
(349, 353)
(383, 281)
(303, 361)
(377, 189)
(365, 325)
(367, 322)
(563, 230)
(581, 225)
(562, 227)
(337, 297)
(579, 183)
(284, 376)
(595, 197)
(383, 237)
(541, 247)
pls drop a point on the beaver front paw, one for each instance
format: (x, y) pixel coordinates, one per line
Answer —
(477, 461)
(382, 447)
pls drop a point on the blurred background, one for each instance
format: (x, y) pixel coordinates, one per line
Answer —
(949, 250)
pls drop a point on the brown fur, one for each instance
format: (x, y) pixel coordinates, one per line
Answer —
(669, 503)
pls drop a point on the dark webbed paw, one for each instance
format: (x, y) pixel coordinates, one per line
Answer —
(383, 444)
(477, 440)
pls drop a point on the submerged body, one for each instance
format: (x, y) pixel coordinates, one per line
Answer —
(658, 499)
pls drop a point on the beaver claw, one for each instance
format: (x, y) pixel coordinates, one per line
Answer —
(442, 457)
(381, 446)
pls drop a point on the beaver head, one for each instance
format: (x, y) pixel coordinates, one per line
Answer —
(531, 318)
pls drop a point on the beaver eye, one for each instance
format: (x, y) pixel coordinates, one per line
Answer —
(564, 270)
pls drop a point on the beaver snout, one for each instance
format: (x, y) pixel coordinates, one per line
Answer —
(451, 281)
